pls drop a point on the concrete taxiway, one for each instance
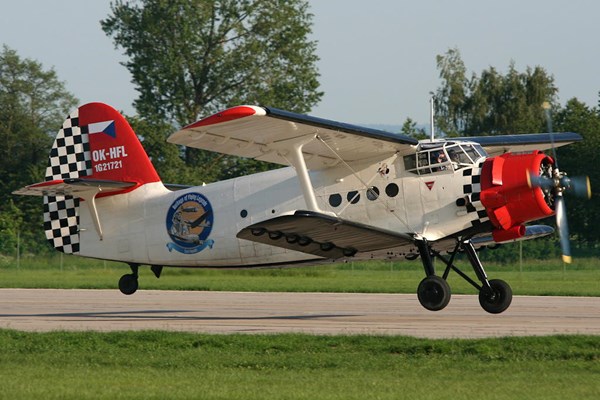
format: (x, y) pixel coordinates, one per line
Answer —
(314, 313)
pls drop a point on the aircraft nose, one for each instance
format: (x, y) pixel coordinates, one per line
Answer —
(506, 194)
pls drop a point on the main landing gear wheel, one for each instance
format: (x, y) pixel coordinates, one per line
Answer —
(498, 299)
(128, 284)
(434, 293)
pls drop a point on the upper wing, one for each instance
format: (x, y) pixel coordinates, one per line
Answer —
(500, 144)
(268, 134)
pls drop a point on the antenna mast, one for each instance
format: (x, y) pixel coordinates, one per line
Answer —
(432, 112)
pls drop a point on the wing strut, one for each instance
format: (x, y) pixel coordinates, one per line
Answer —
(296, 158)
(90, 199)
(298, 162)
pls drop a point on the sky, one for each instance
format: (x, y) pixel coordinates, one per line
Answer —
(377, 58)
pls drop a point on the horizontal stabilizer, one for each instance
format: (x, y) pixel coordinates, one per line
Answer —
(531, 232)
(73, 187)
(322, 235)
(86, 189)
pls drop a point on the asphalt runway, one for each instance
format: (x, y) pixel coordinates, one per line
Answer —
(315, 313)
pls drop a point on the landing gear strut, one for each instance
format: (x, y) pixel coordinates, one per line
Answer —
(433, 292)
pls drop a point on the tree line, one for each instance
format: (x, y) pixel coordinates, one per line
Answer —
(491, 103)
(212, 55)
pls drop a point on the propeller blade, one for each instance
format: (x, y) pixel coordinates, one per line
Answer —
(547, 111)
(579, 186)
(563, 228)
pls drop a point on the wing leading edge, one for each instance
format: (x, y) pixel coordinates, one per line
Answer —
(500, 144)
(268, 134)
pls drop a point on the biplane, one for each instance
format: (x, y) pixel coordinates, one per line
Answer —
(346, 193)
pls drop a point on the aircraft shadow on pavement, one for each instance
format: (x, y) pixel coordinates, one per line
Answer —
(168, 315)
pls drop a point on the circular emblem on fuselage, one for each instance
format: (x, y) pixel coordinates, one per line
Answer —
(189, 223)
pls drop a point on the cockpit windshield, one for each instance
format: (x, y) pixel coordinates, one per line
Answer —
(441, 156)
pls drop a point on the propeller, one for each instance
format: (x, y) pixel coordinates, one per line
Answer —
(554, 183)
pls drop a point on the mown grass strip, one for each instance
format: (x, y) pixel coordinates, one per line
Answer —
(154, 364)
(536, 278)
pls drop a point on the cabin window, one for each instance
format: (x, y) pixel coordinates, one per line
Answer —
(353, 197)
(463, 155)
(410, 162)
(335, 200)
(372, 193)
(392, 190)
(440, 156)
(427, 160)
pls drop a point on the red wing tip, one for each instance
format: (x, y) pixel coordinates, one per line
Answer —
(230, 114)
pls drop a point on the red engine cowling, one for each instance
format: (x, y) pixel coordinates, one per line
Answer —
(507, 197)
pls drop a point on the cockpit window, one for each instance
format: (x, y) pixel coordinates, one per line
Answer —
(441, 156)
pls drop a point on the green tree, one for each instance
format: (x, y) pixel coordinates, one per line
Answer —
(508, 104)
(11, 224)
(451, 98)
(410, 128)
(33, 103)
(490, 103)
(494, 103)
(165, 158)
(191, 58)
(580, 159)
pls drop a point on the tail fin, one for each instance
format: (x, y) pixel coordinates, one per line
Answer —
(97, 142)
(94, 143)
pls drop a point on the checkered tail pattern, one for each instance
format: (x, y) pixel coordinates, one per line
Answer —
(69, 158)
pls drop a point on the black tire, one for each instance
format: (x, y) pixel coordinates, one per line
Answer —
(433, 293)
(128, 284)
(498, 300)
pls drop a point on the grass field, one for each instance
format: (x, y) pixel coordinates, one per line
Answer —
(582, 278)
(159, 365)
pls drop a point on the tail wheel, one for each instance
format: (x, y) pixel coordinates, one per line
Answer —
(128, 284)
(433, 293)
(498, 299)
